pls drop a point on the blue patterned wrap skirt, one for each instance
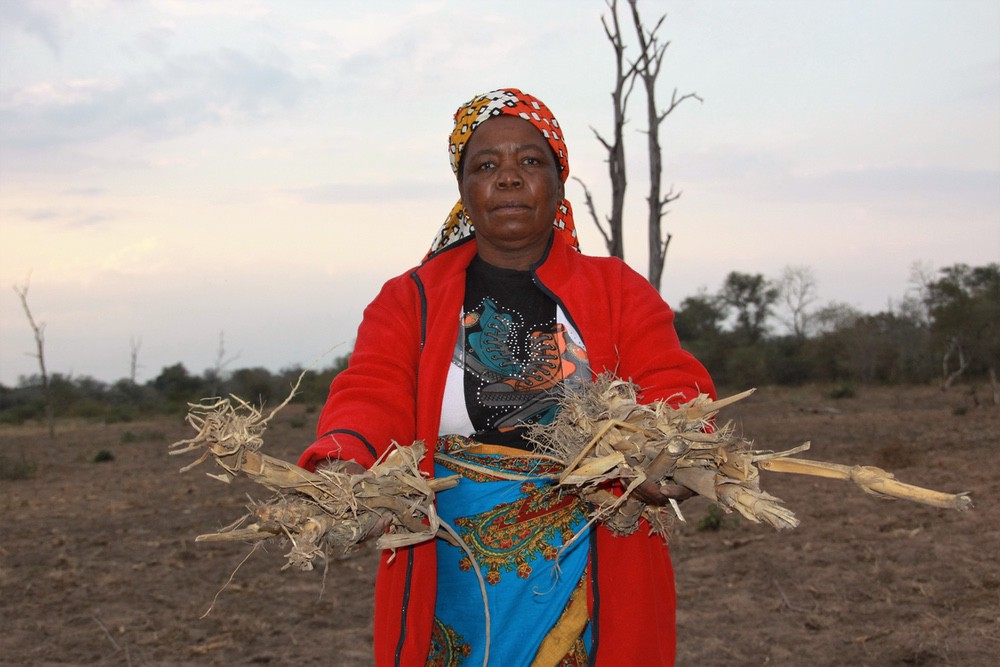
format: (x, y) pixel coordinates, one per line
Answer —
(516, 522)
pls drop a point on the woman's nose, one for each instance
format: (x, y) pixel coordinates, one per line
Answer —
(509, 177)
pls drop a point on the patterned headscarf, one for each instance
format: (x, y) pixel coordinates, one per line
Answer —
(503, 102)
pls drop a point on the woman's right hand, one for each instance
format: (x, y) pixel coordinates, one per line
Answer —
(652, 493)
(354, 468)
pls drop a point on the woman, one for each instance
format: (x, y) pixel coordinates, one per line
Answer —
(468, 349)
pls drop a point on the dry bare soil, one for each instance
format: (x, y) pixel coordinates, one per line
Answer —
(98, 563)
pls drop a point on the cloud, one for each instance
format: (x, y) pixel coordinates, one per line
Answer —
(368, 192)
(904, 180)
(921, 191)
(62, 217)
(185, 94)
(85, 192)
(415, 48)
(36, 18)
(203, 11)
(729, 163)
(154, 41)
(771, 175)
(980, 83)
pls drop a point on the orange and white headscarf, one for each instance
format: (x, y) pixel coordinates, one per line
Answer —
(503, 102)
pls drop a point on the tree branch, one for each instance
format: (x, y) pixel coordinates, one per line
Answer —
(676, 102)
(589, 199)
(39, 333)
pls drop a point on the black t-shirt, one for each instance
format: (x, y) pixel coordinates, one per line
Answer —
(514, 353)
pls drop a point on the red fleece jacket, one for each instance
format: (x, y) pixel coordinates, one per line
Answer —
(392, 390)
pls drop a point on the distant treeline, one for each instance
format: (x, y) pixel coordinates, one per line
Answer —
(170, 392)
(752, 332)
(946, 328)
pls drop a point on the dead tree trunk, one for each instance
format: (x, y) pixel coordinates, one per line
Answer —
(797, 290)
(39, 332)
(648, 67)
(218, 372)
(624, 80)
(949, 376)
(133, 358)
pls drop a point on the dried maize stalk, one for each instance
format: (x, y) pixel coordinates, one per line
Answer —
(605, 435)
(316, 512)
(871, 480)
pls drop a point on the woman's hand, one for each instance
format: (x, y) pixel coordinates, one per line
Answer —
(652, 493)
(355, 468)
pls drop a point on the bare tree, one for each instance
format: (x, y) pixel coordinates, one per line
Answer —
(953, 347)
(964, 306)
(797, 288)
(624, 81)
(917, 300)
(39, 332)
(133, 366)
(221, 361)
(648, 67)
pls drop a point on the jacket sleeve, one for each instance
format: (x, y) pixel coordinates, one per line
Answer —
(650, 354)
(372, 403)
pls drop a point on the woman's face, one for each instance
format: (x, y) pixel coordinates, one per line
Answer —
(510, 187)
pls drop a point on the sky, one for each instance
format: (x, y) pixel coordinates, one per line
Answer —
(192, 180)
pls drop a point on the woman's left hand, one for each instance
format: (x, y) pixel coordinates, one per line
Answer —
(652, 493)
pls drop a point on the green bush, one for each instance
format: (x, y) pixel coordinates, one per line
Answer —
(104, 456)
(842, 390)
(713, 519)
(119, 414)
(16, 415)
(129, 437)
(14, 469)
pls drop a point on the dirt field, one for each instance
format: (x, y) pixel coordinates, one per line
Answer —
(98, 563)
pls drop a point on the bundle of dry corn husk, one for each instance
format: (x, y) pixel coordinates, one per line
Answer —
(319, 512)
(604, 435)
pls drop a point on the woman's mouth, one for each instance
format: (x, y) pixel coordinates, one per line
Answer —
(510, 206)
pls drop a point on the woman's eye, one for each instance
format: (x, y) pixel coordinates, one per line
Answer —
(485, 166)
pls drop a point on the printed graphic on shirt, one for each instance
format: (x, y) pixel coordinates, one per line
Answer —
(513, 368)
